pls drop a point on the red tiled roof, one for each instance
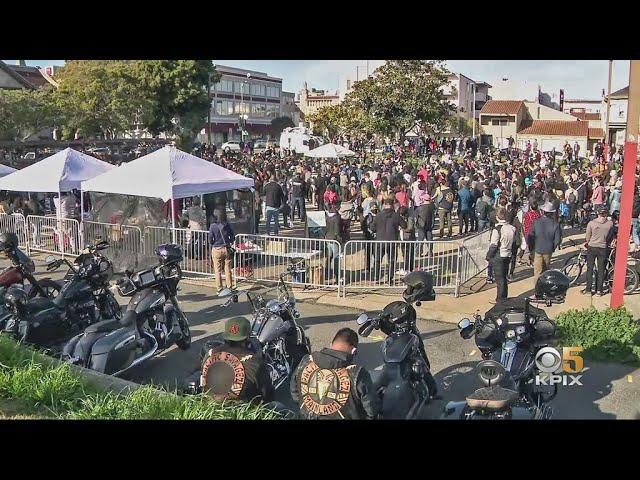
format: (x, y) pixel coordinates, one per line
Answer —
(502, 107)
(565, 128)
(586, 116)
(596, 133)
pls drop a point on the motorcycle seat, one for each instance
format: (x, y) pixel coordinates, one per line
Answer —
(39, 304)
(492, 398)
(109, 325)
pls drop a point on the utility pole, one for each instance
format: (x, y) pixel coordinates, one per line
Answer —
(628, 184)
(606, 132)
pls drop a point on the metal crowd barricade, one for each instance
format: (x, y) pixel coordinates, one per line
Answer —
(50, 235)
(374, 265)
(15, 223)
(121, 238)
(473, 256)
(154, 236)
(263, 258)
(197, 255)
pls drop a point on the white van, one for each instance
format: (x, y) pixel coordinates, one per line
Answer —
(299, 139)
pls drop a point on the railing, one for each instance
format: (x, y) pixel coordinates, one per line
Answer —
(264, 258)
(125, 242)
(374, 265)
(15, 223)
(473, 253)
(50, 235)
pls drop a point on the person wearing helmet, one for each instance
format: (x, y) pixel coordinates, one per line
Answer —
(235, 369)
(596, 242)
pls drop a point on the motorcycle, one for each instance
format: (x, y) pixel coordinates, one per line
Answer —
(403, 382)
(22, 268)
(274, 330)
(83, 299)
(152, 322)
(509, 338)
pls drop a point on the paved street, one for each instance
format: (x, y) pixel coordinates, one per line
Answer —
(609, 391)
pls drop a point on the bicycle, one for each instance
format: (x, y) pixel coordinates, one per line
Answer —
(575, 264)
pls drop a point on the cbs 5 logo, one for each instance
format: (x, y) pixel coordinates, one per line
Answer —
(549, 360)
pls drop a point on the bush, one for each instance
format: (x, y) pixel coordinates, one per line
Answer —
(60, 392)
(605, 335)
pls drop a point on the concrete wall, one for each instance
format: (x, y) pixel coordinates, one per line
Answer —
(499, 133)
(547, 142)
(7, 81)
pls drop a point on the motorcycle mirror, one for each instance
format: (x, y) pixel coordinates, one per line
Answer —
(464, 323)
(366, 329)
(362, 319)
(49, 259)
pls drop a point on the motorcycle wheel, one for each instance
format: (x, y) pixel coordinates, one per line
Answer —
(185, 340)
(50, 287)
(572, 269)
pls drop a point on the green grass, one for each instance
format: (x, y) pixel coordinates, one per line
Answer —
(605, 335)
(32, 387)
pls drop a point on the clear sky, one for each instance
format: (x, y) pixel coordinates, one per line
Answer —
(578, 78)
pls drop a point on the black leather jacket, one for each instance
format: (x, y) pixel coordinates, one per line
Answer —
(332, 401)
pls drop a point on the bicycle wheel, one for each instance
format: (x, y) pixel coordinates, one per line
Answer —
(631, 280)
(573, 269)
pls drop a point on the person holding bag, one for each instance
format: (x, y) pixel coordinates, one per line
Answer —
(221, 238)
(499, 254)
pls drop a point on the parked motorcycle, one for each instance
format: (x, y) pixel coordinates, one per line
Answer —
(509, 338)
(405, 378)
(22, 268)
(84, 298)
(152, 322)
(274, 331)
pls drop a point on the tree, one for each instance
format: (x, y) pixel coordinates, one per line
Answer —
(99, 97)
(177, 93)
(403, 94)
(342, 119)
(25, 112)
(279, 124)
(461, 126)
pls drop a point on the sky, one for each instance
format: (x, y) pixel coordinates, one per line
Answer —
(578, 78)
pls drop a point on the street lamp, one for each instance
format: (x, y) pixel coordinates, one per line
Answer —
(243, 115)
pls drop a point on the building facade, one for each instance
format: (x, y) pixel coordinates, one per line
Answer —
(310, 101)
(290, 109)
(460, 92)
(507, 89)
(617, 115)
(243, 92)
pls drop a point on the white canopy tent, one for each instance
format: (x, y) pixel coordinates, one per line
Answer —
(6, 170)
(330, 150)
(168, 174)
(61, 172)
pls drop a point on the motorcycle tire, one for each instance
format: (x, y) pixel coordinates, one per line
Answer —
(573, 269)
(51, 288)
(184, 342)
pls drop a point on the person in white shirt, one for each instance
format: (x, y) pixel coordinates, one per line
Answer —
(500, 246)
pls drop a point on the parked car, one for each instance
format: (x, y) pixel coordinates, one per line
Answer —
(231, 146)
(99, 151)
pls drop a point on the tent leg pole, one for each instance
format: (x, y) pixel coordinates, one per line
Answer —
(82, 218)
(173, 220)
(59, 225)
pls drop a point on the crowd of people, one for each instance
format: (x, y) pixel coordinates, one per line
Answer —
(528, 198)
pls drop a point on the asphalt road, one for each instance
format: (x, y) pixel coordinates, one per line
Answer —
(610, 391)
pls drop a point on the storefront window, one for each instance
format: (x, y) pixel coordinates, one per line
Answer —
(258, 109)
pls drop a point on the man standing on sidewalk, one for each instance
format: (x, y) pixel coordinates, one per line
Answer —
(297, 197)
(273, 199)
(596, 241)
(543, 239)
(387, 227)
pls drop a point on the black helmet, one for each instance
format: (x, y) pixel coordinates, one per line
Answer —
(8, 241)
(552, 285)
(400, 313)
(15, 295)
(169, 253)
(419, 287)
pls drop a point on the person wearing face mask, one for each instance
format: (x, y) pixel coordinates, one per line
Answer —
(327, 385)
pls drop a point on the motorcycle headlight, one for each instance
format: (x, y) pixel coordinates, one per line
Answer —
(511, 334)
(273, 306)
(499, 322)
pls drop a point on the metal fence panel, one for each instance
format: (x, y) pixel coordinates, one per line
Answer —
(50, 235)
(125, 242)
(374, 265)
(473, 254)
(264, 258)
(15, 223)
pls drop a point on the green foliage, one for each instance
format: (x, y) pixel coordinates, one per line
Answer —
(343, 119)
(404, 94)
(57, 391)
(25, 112)
(605, 335)
(279, 124)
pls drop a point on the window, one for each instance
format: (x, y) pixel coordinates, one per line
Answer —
(258, 89)
(273, 110)
(224, 86)
(258, 109)
(224, 107)
(241, 108)
(499, 122)
(273, 92)
(241, 87)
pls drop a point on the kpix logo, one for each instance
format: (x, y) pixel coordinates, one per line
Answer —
(558, 369)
